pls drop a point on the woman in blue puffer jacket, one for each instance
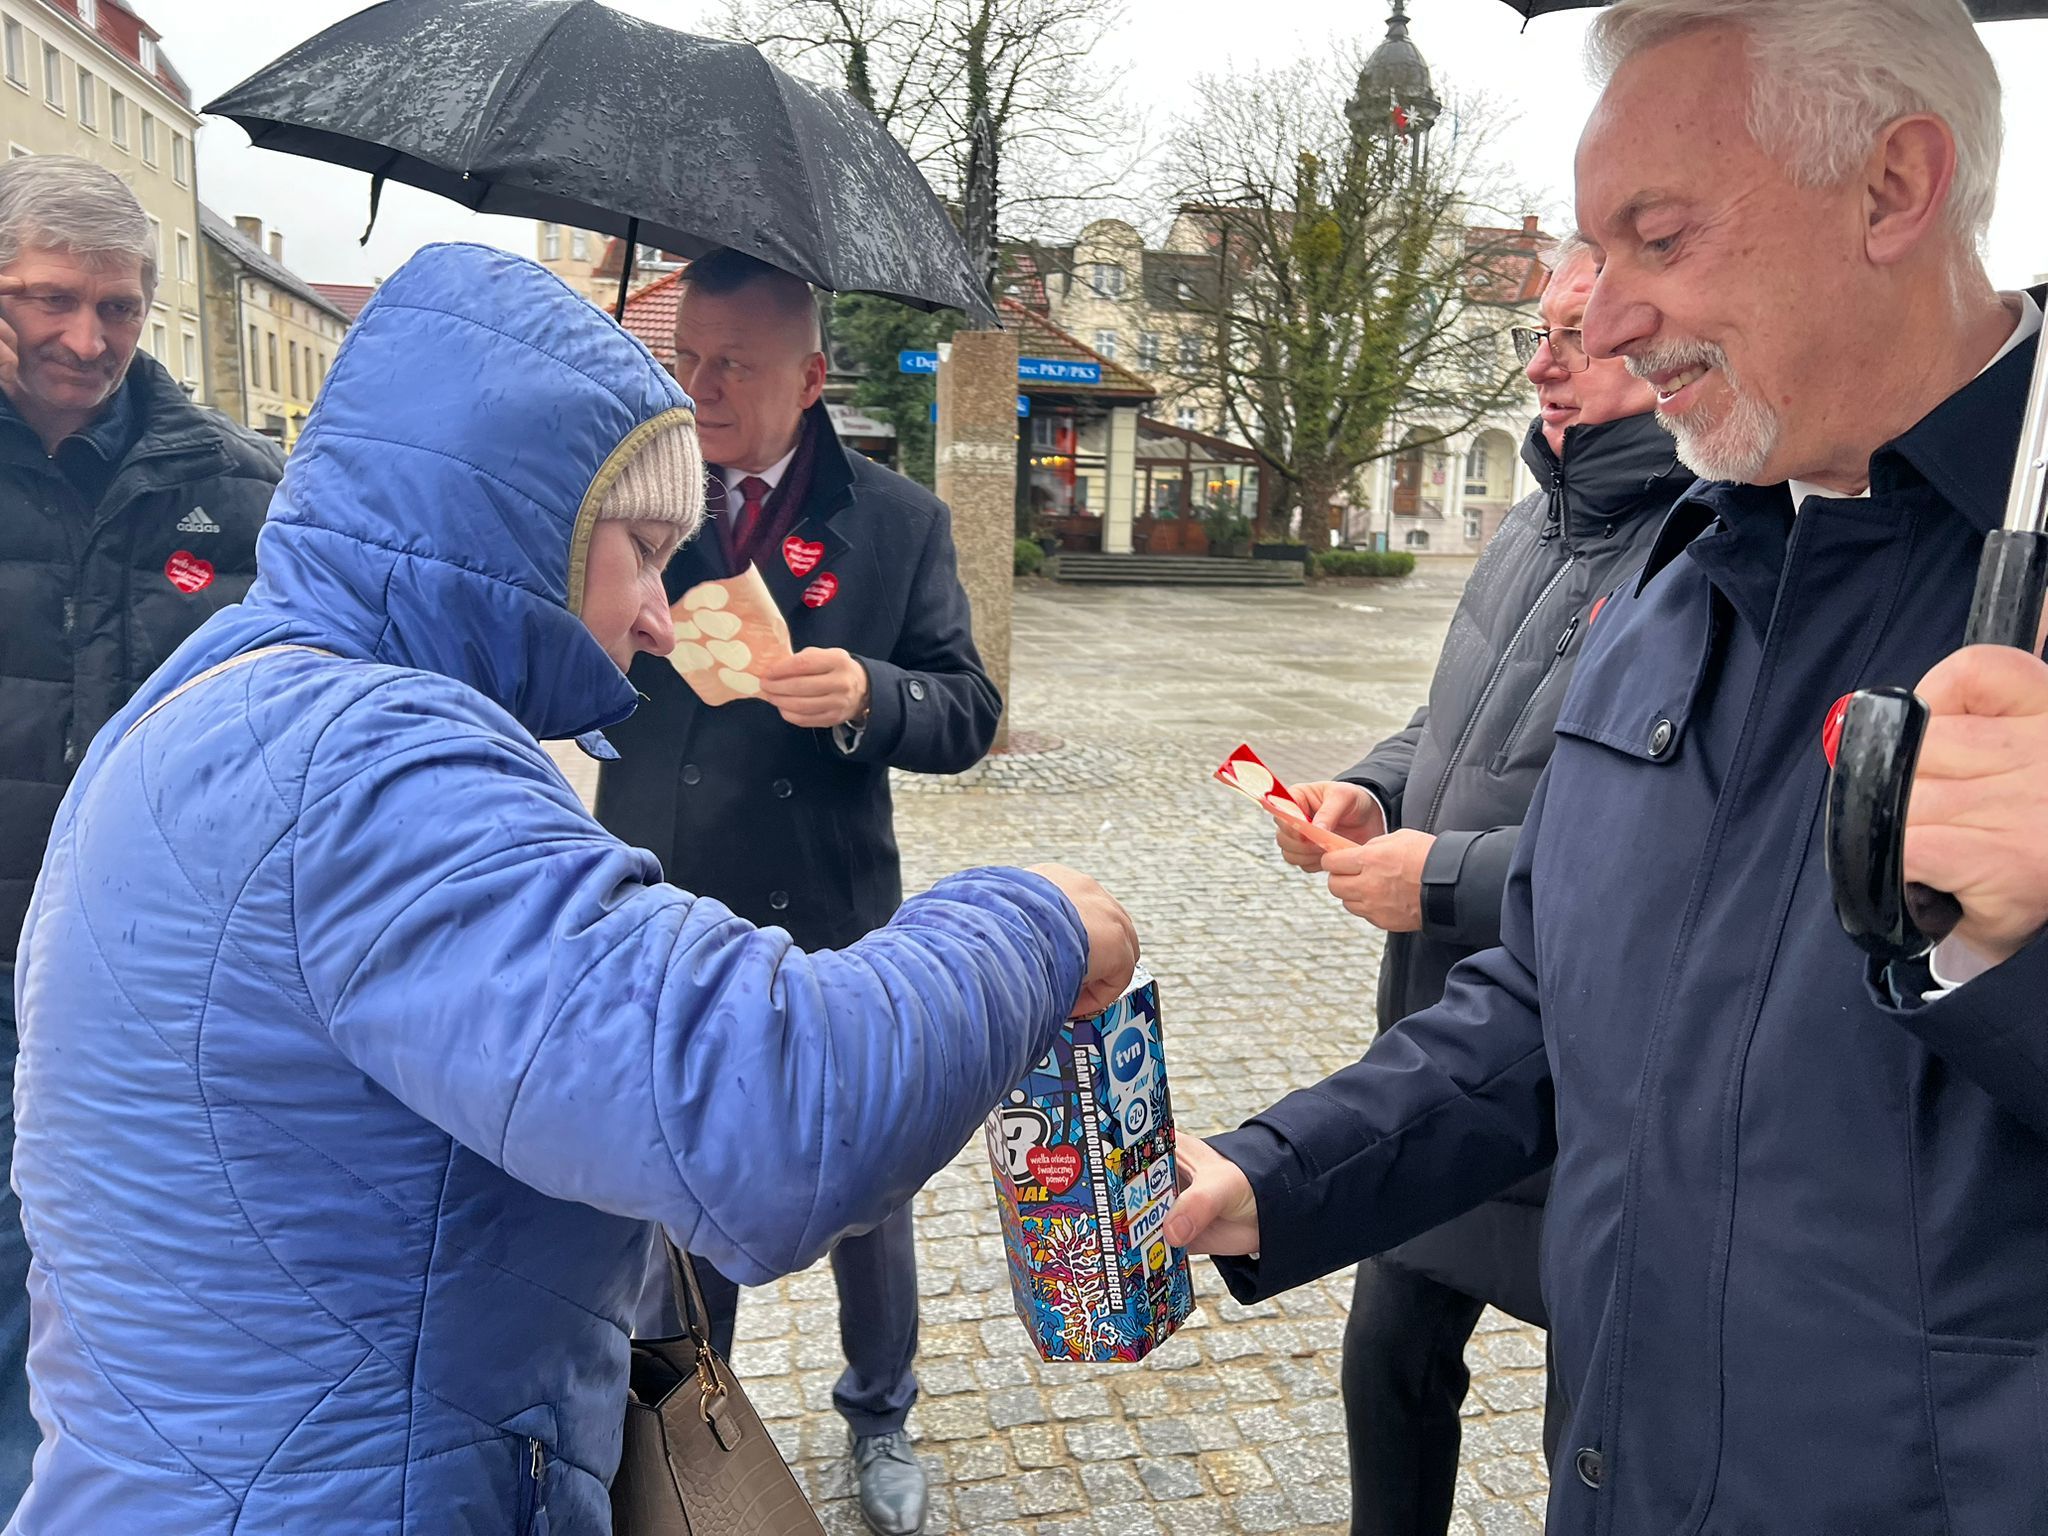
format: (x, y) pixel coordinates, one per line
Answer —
(356, 1058)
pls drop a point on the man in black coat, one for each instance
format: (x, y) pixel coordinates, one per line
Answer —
(779, 806)
(1437, 809)
(130, 516)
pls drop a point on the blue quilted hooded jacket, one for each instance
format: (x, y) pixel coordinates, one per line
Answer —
(356, 1058)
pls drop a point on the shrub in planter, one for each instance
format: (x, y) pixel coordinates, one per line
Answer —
(1365, 562)
(1030, 558)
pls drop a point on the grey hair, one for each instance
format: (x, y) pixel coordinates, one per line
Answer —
(1827, 75)
(1560, 253)
(62, 203)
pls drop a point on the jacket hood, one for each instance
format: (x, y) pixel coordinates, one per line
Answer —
(1610, 471)
(436, 513)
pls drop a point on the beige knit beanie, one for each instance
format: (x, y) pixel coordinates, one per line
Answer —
(663, 482)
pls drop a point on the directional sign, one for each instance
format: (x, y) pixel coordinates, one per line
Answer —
(1033, 370)
(1051, 370)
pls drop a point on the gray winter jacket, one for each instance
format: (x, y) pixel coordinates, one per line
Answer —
(1467, 764)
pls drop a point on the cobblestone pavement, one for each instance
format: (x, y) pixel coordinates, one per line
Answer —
(1124, 700)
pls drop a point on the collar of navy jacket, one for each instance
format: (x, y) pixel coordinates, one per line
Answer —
(1962, 450)
(830, 493)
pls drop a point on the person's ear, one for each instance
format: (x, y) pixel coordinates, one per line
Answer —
(1907, 183)
(814, 378)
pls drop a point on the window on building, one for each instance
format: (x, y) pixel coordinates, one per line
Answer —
(579, 244)
(255, 357)
(117, 118)
(321, 377)
(1107, 279)
(1471, 527)
(1475, 470)
(191, 358)
(156, 240)
(1105, 343)
(184, 257)
(270, 348)
(1148, 349)
(89, 13)
(15, 151)
(293, 349)
(159, 342)
(551, 242)
(16, 52)
(181, 159)
(1416, 538)
(1185, 418)
(146, 51)
(148, 139)
(88, 101)
(1190, 350)
(53, 76)
(1183, 292)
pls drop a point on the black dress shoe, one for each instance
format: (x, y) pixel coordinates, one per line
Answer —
(892, 1484)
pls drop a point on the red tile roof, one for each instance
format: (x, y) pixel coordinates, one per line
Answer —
(651, 315)
(1039, 337)
(122, 30)
(349, 298)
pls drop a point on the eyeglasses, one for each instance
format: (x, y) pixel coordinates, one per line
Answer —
(1567, 347)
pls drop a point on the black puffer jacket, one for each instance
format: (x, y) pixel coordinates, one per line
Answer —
(96, 596)
(1467, 765)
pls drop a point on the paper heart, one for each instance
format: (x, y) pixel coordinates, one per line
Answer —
(821, 591)
(1057, 1168)
(705, 595)
(801, 558)
(687, 631)
(688, 656)
(730, 653)
(718, 625)
(739, 682)
(188, 573)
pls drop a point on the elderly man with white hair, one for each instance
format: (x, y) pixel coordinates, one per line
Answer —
(1796, 1240)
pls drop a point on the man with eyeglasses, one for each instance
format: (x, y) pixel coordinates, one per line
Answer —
(1436, 810)
(128, 515)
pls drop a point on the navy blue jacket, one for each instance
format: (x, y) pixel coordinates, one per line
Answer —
(1796, 1255)
(774, 820)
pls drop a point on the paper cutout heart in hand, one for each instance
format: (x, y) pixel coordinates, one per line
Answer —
(1057, 1168)
(726, 632)
(800, 557)
(1243, 772)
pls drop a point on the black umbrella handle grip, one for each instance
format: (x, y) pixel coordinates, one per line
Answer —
(1866, 829)
(1872, 777)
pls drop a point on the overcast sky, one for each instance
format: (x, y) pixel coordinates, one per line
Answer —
(1475, 45)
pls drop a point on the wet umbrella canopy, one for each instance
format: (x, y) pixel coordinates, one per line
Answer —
(567, 111)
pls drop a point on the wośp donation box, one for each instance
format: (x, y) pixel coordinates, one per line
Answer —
(1084, 1167)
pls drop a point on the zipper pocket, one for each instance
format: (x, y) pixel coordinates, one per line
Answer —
(1564, 641)
(533, 1515)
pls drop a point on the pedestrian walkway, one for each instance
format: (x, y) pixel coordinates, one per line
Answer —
(1124, 701)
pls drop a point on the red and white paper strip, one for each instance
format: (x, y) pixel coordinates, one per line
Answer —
(1243, 772)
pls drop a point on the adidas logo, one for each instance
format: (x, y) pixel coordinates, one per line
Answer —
(196, 521)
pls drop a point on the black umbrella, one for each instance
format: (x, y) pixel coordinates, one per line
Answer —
(568, 111)
(1983, 10)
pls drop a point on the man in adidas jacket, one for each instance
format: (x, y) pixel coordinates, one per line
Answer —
(128, 516)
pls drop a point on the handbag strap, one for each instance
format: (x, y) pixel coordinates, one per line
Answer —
(689, 1296)
(211, 673)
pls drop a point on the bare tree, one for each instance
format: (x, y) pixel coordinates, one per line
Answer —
(996, 100)
(1356, 280)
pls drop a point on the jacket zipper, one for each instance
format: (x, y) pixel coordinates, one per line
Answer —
(1564, 642)
(1507, 655)
(537, 1507)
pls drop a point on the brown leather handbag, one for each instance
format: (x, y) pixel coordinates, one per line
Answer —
(697, 1460)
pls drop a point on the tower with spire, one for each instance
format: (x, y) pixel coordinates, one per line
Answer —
(1394, 95)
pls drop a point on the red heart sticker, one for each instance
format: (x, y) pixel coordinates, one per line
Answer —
(1057, 1168)
(821, 591)
(188, 573)
(801, 558)
(1831, 728)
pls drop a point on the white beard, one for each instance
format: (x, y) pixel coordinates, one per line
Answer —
(1737, 443)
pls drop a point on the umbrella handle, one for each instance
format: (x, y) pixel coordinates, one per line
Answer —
(626, 267)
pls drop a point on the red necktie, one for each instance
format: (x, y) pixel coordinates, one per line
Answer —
(753, 497)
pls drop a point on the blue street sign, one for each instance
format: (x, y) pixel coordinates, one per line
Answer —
(1033, 370)
(1049, 370)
